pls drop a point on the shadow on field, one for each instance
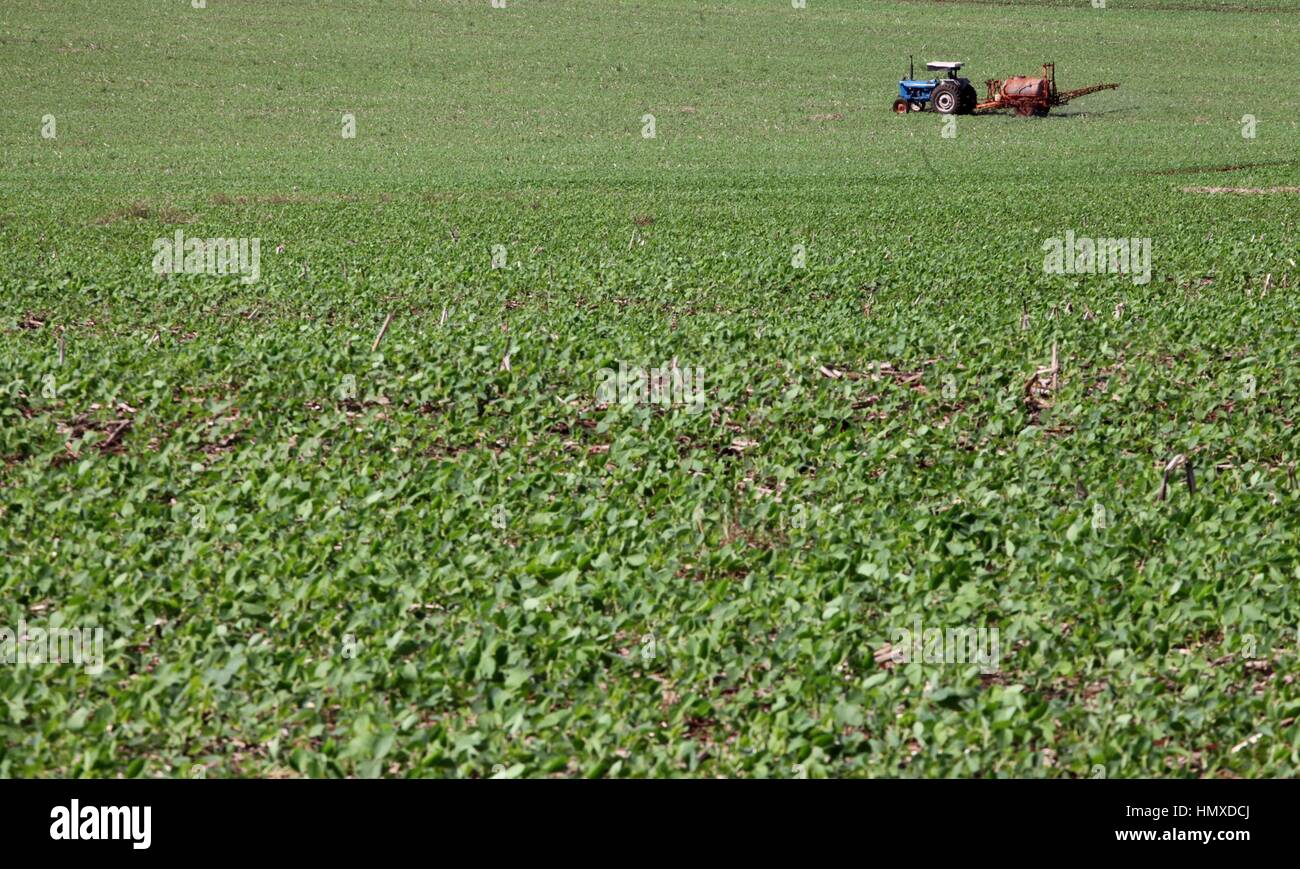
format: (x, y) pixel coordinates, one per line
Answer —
(1228, 167)
(1080, 113)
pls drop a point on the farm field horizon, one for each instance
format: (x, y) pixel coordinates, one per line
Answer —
(894, 496)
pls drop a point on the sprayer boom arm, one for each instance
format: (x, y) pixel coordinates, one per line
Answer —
(1061, 99)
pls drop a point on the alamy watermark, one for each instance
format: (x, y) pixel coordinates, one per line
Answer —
(1088, 256)
(668, 386)
(75, 821)
(946, 646)
(211, 256)
(31, 646)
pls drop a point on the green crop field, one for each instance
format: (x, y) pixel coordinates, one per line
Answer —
(622, 389)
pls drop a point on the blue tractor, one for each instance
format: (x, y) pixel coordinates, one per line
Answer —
(950, 95)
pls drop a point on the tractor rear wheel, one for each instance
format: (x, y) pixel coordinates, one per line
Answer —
(900, 107)
(966, 97)
(946, 97)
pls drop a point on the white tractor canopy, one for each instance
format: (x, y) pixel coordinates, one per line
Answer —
(944, 64)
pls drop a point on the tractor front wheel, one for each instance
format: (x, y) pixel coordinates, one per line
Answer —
(900, 107)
